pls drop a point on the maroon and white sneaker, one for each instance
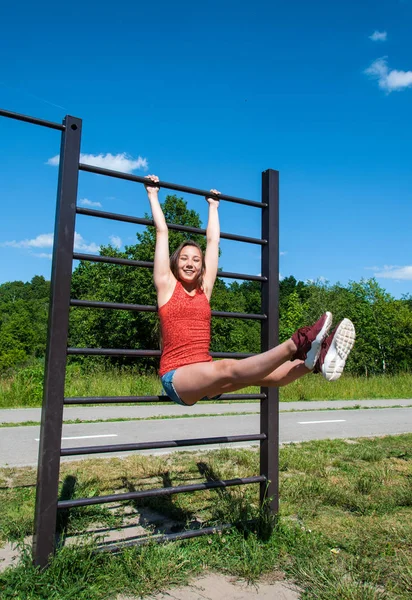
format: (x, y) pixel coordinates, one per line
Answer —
(308, 340)
(335, 351)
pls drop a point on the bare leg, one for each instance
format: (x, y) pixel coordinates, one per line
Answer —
(193, 382)
(283, 375)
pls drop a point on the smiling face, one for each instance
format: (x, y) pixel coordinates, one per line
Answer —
(190, 264)
(187, 264)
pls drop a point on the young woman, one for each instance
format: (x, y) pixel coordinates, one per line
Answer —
(184, 284)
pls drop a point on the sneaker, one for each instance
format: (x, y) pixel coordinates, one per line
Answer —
(335, 351)
(308, 340)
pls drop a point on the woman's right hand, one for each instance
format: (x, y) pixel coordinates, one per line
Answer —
(152, 189)
(213, 200)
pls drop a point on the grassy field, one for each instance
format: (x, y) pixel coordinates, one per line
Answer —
(24, 388)
(344, 529)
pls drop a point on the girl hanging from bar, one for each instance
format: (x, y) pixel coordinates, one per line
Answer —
(184, 284)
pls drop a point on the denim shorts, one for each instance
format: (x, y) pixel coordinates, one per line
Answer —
(169, 389)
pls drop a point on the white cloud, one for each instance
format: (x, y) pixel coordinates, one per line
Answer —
(395, 272)
(80, 244)
(389, 81)
(86, 202)
(378, 36)
(115, 241)
(116, 162)
(45, 240)
(282, 253)
(42, 255)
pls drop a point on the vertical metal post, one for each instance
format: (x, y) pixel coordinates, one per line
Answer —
(269, 407)
(56, 351)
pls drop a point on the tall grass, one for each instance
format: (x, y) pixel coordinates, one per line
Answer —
(348, 387)
(23, 388)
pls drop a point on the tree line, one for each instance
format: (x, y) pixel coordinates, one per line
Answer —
(383, 323)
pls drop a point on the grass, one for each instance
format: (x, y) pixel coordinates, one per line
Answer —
(23, 388)
(344, 529)
(348, 387)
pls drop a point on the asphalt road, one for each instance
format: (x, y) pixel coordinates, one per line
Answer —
(19, 445)
(108, 411)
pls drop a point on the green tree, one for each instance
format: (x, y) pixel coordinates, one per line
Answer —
(293, 316)
(23, 321)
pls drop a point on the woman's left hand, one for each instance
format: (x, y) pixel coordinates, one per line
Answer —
(213, 200)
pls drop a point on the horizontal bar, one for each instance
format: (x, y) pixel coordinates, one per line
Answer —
(143, 399)
(168, 491)
(230, 439)
(33, 120)
(90, 212)
(114, 260)
(148, 308)
(233, 315)
(164, 538)
(169, 186)
(138, 353)
(112, 305)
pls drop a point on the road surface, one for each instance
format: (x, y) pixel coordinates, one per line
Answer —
(19, 445)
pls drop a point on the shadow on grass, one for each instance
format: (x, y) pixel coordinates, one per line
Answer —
(162, 504)
(63, 516)
(237, 510)
(139, 519)
(150, 516)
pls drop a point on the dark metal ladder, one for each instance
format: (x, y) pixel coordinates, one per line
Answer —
(50, 449)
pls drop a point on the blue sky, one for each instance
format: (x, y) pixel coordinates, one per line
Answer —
(210, 95)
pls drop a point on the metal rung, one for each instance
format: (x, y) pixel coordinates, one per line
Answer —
(148, 308)
(169, 186)
(149, 222)
(164, 538)
(143, 399)
(139, 353)
(114, 260)
(168, 491)
(230, 439)
(34, 120)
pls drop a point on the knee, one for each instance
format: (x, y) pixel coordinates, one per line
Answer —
(229, 369)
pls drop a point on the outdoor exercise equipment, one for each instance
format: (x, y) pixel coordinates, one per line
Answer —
(50, 450)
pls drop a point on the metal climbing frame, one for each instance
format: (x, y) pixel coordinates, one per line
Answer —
(50, 450)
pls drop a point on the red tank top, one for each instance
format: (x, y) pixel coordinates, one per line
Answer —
(185, 326)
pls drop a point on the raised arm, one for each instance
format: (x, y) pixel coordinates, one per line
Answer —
(162, 275)
(212, 247)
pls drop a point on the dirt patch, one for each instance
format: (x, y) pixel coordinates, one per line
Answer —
(215, 587)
